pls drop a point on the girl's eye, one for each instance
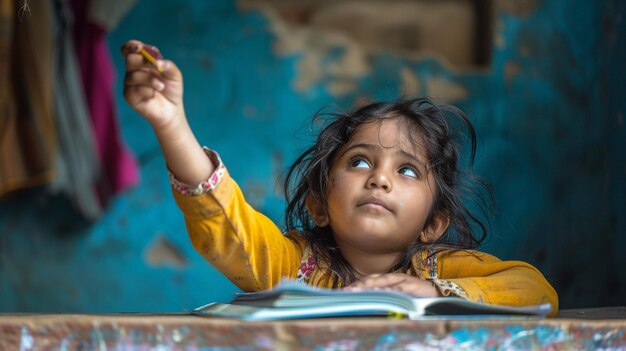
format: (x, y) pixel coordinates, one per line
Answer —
(359, 163)
(408, 171)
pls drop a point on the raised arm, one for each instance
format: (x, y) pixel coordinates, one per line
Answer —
(157, 94)
(242, 243)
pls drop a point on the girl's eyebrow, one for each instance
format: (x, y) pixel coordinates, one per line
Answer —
(373, 147)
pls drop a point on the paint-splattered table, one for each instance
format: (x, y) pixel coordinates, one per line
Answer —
(573, 330)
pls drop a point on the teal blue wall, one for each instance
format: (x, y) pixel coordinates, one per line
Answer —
(553, 144)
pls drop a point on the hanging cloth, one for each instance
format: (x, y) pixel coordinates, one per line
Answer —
(77, 163)
(27, 129)
(92, 20)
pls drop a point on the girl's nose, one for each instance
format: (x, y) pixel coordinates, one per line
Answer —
(380, 180)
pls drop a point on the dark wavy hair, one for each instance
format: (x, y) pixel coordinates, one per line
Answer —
(437, 126)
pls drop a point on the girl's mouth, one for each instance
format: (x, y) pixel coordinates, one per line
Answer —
(374, 203)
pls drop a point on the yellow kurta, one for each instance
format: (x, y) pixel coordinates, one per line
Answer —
(250, 250)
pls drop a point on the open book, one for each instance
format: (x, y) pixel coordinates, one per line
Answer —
(291, 300)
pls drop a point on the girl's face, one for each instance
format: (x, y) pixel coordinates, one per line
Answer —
(380, 191)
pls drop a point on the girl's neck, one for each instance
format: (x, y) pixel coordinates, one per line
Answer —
(366, 263)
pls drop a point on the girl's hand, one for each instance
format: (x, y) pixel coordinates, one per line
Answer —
(397, 282)
(155, 94)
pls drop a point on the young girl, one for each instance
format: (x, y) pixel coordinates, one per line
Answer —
(374, 204)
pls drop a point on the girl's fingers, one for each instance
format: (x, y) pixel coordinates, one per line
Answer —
(157, 84)
(166, 71)
(140, 72)
(153, 52)
(144, 77)
(395, 282)
(139, 55)
(131, 46)
(377, 281)
(136, 94)
(134, 62)
(169, 71)
(387, 281)
(138, 77)
(133, 59)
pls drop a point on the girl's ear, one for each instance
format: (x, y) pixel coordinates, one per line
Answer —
(315, 211)
(437, 226)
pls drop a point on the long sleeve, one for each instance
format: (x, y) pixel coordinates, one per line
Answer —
(246, 246)
(488, 279)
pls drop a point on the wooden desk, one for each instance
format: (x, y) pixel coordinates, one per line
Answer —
(186, 332)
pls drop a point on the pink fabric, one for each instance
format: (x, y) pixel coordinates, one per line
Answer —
(119, 167)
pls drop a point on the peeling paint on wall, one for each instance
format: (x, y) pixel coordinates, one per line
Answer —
(317, 63)
(410, 82)
(445, 90)
(336, 41)
(162, 252)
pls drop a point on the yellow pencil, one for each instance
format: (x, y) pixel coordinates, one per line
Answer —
(150, 59)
